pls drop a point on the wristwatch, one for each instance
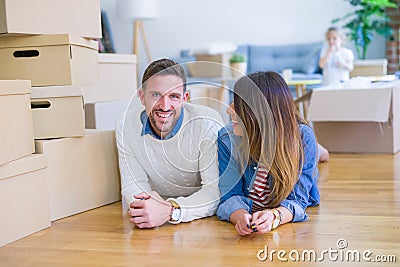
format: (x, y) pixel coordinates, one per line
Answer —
(277, 218)
(176, 211)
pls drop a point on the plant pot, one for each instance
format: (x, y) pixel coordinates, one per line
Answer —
(238, 69)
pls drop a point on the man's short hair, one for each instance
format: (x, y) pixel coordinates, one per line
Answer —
(164, 67)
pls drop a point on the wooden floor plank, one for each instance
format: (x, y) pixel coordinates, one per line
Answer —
(360, 203)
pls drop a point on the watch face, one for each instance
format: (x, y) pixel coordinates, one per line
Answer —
(176, 214)
(275, 223)
(277, 218)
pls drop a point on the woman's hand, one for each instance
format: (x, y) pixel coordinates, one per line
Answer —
(241, 219)
(262, 221)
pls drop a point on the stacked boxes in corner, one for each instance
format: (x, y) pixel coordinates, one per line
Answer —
(22, 173)
(59, 56)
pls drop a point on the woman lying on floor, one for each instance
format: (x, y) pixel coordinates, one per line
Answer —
(267, 158)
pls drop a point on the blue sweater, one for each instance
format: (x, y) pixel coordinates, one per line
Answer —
(235, 185)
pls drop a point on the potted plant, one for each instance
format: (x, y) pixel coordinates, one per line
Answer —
(368, 18)
(238, 64)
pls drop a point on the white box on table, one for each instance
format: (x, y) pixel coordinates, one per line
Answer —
(369, 67)
(210, 66)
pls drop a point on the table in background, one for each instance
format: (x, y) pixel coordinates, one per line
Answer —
(301, 93)
(222, 84)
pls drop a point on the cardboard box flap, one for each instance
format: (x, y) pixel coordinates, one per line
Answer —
(117, 58)
(27, 164)
(15, 87)
(46, 40)
(50, 17)
(372, 105)
(56, 91)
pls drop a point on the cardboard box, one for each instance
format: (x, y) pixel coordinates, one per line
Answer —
(357, 120)
(57, 111)
(24, 199)
(104, 115)
(369, 67)
(50, 17)
(117, 79)
(16, 134)
(83, 172)
(210, 66)
(49, 59)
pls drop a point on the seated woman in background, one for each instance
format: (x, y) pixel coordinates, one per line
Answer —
(335, 60)
(267, 157)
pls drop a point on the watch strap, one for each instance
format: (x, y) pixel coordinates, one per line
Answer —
(277, 218)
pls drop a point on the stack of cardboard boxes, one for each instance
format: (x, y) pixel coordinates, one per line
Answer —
(24, 198)
(49, 59)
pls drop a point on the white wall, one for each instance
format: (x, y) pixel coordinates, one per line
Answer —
(187, 24)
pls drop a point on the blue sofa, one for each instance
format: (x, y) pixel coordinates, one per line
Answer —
(301, 58)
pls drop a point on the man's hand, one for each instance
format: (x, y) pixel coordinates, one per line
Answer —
(149, 211)
(241, 219)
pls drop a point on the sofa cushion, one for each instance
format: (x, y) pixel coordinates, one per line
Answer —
(310, 61)
(279, 57)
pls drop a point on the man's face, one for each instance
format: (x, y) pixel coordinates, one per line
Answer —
(163, 98)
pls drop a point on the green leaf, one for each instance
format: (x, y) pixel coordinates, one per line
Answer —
(368, 18)
(379, 3)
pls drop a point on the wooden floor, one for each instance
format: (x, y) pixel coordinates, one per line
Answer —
(360, 206)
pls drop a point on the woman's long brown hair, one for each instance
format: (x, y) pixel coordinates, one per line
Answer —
(265, 106)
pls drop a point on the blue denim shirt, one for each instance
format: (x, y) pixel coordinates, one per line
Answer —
(235, 184)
